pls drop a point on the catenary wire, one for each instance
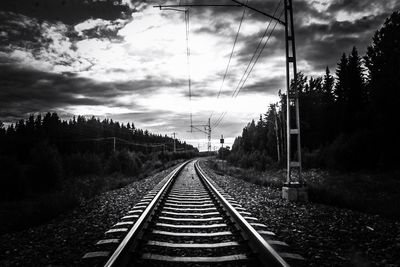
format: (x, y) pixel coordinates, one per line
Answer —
(230, 57)
(251, 63)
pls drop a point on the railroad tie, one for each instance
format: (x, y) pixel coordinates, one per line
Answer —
(188, 219)
(157, 257)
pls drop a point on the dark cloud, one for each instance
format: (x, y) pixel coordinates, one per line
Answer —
(148, 85)
(231, 127)
(67, 11)
(151, 120)
(102, 32)
(321, 41)
(198, 92)
(275, 45)
(266, 6)
(267, 85)
(217, 27)
(102, 29)
(322, 44)
(25, 91)
(20, 31)
(362, 6)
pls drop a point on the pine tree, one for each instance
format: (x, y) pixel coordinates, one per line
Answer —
(327, 87)
(342, 85)
(383, 63)
(356, 94)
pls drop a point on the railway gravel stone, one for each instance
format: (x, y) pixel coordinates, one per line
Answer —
(324, 235)
(64, 240)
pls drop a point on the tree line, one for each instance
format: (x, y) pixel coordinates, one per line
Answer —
(44, 153)
(348, 120)
(80, 134)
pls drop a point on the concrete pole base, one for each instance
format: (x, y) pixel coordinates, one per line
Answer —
(295, 192)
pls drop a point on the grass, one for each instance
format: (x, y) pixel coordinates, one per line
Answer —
(370, 192)
(272, 178)
(17, 215)
(21, 214)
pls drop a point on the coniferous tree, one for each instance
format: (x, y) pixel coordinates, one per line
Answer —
(327, 87)
(356, 94)
(342, 91)
(328, 116)
(383, 64)
(347, 122)
(342, 84)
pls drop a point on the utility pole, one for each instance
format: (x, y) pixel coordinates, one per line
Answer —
(209, 135)
(292, 190)
(222, 150)
(114, 144)
(174, 142)
(222, 146)
(277, 135)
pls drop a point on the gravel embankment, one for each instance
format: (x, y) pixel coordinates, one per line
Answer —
(64, 240)
(324, 235)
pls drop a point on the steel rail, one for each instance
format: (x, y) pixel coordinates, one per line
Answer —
(266, 254)
(119, 256)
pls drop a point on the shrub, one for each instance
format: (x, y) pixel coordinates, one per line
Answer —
(130, 163)
(13, 183)
(127, 163)
(30, 212)
(78, 164)
(312, 159)
(113, 165)
(351, 151)
(45, 170)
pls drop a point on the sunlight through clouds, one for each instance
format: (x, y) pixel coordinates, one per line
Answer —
(131, 61)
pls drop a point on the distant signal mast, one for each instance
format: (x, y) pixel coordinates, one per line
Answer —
(203, 128)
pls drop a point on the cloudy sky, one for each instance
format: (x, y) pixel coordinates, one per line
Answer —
(127, 61)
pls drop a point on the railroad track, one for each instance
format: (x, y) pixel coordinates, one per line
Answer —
(186, 220)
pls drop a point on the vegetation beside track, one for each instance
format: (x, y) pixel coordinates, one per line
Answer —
(325, 235)
(347, 119)
(346, 126)
(49, 165)
(370, 192)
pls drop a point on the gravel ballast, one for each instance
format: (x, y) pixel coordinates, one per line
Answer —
(324, 235)
(64, 240)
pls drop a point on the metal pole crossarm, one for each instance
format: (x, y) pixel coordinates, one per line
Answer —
(172, 9)
(200, 130)
(238, 4)
(191, 5)
(261, 12)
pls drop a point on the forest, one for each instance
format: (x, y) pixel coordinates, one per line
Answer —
(348, 119)
(49, 165)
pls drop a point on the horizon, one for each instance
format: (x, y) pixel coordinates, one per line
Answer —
(130, 64)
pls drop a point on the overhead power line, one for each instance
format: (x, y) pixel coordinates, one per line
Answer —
(254, 59)
(187, 24)
(230, 57)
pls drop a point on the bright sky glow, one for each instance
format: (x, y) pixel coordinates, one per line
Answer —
(134, 67)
